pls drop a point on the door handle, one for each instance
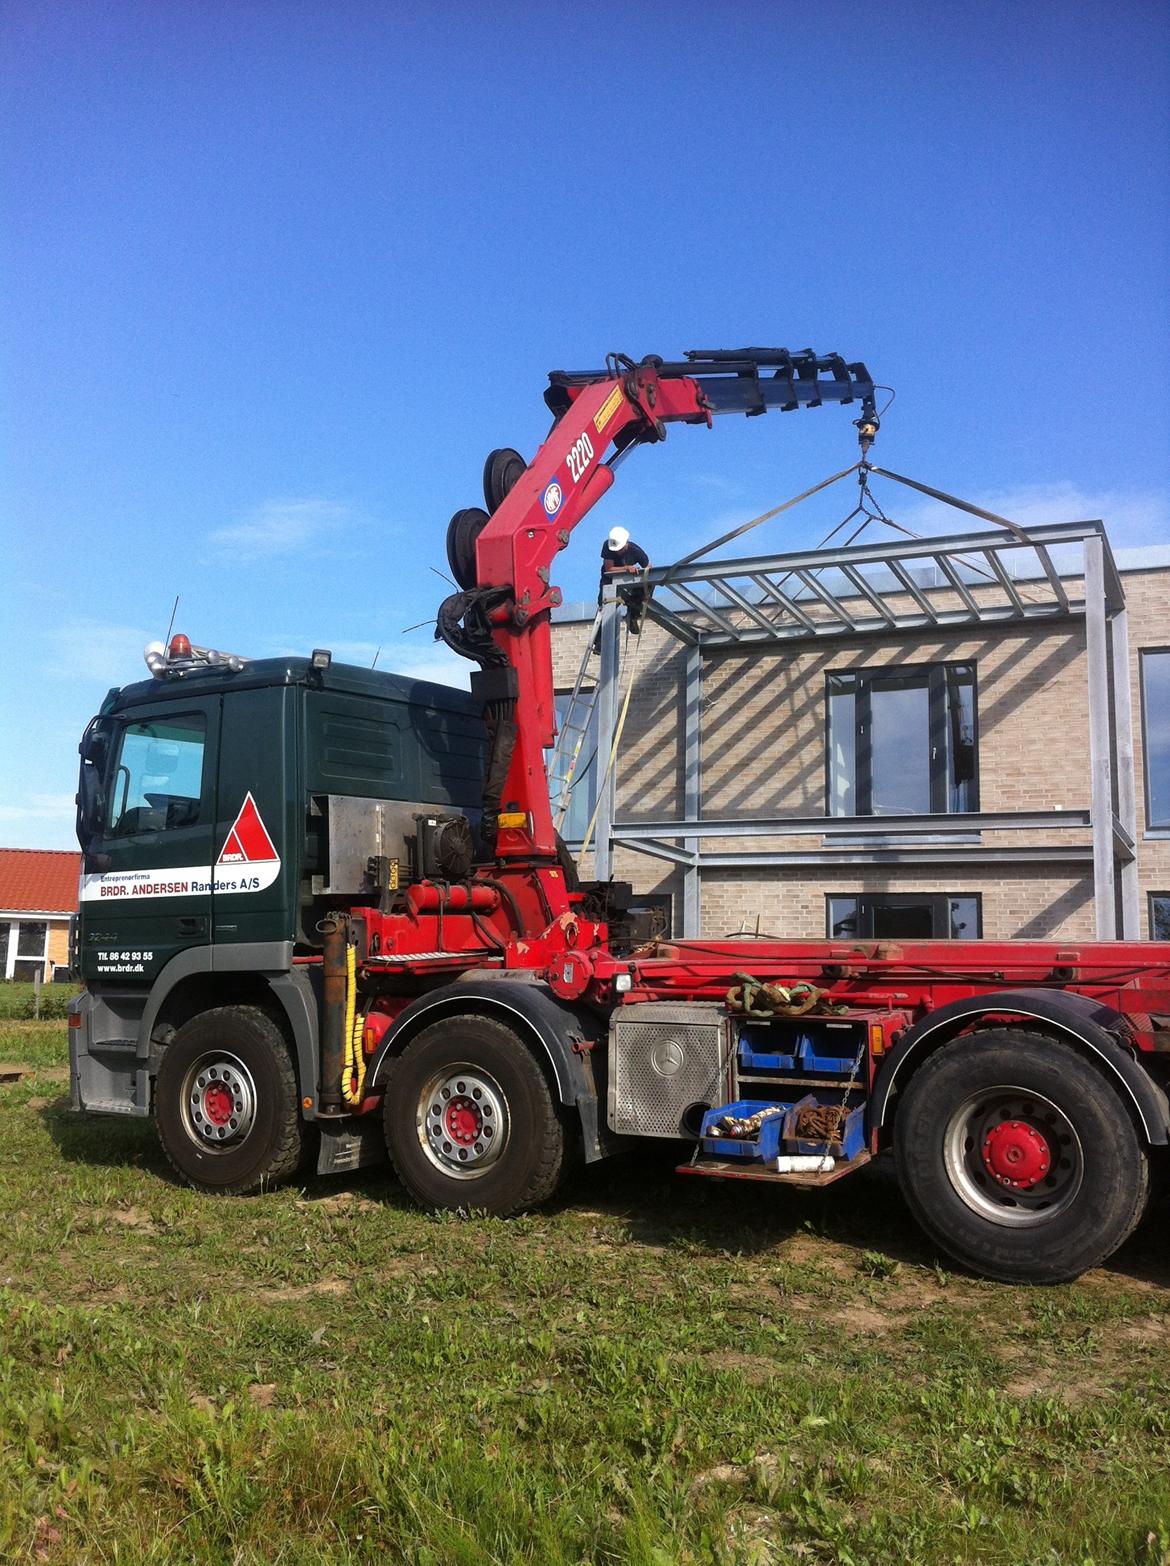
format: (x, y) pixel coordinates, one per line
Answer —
(189, 926)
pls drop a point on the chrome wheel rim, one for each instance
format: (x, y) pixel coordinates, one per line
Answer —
(218, 1103)
(462, 1121)
(1013, 1156)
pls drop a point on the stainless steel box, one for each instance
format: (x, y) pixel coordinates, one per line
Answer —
(666, 1061)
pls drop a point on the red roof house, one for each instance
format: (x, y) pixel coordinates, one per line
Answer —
(38, 894)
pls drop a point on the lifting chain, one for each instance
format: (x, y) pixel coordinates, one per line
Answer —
(751, 997)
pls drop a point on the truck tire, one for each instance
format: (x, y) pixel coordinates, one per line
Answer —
(227, 1105)
(1018, 1157)
(471, 1121)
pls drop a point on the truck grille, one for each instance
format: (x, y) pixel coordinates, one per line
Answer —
(663, 1060)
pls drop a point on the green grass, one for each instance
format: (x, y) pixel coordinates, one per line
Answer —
(17, 999)
(653, 1372)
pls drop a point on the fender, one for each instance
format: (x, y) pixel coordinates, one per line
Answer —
(1073, 1015)
(534, 1012)
(270, 961)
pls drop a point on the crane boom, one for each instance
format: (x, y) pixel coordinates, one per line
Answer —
(502, 621)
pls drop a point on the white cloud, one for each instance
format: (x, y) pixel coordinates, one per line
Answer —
(39, 821)
(93, 650)
(278, 527)
(1132, 517)
(40, 807)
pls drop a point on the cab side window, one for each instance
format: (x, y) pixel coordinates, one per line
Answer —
(157, 781)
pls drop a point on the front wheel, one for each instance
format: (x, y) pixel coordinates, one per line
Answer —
(471, 1120)
(1018, 1157)
(226, 1102)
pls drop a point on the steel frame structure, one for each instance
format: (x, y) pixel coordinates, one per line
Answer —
(991, 580)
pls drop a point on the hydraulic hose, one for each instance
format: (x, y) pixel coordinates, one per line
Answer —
(353, 1077)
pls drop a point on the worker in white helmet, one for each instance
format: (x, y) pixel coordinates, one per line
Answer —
(621, 557)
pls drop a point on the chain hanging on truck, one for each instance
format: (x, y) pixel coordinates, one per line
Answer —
(751, 997)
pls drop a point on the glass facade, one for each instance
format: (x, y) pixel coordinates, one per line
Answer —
(1155, 671)
(902, 741)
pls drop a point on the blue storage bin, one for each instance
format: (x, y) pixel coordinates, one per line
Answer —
(765, 1146)
(807, 1050)
(851, 1142)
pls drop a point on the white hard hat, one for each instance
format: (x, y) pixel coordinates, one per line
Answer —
(618, 538)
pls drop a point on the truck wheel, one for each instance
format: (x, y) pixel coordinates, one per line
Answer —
(226, 1102)
(471, 1120)
(1018, 1158)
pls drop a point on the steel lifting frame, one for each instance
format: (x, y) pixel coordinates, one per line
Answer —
(903, 588)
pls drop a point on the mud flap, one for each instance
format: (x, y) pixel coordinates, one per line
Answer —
(350, 1144)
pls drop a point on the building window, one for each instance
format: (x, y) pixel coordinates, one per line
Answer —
(579, 775)
(1155, 669)
(24, 948)
(158, 781)
(902, 742)
(1160, 916)
(911, 916)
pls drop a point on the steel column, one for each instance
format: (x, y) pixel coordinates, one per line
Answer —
(1131, 910)
(607, 710)
(1100, 746)
(692, 787)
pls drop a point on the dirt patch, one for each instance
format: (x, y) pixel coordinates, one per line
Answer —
(806, 1250)
(722, 1473)
(133, 1218)
(405, 1267)
(1153, 1330)
(304, 1291)
(1040, 1381)
(764, 1465)
(263, 1393)
(15, 1071)
(867, 1321)
(338, 1201)
(756, 1369)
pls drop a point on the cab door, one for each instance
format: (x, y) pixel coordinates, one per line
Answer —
(146, 886)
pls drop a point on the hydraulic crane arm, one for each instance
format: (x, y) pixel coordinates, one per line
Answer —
(501, 619)
(730, 379)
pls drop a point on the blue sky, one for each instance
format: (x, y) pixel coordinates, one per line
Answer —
(279, 275)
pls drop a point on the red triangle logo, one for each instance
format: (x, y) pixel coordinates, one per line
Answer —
(248, 841)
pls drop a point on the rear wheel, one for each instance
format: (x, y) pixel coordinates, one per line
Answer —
(471, 1120)
(226, 1102)
(1019, 1158)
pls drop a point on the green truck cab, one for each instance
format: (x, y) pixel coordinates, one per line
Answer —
(223, 810)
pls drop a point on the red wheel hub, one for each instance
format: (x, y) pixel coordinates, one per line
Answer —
(1016, 1154)
(217, 1104)
(463, 1121)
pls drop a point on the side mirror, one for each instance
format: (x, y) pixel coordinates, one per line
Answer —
(91, 794)
(90, 805)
